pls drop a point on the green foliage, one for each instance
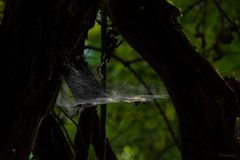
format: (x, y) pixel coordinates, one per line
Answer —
(139, 131)
(215, 21)
(135, 131)
(2, 6)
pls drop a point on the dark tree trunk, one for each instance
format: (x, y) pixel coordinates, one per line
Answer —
(37, 37)
(206, 105)
(84, 133)
(97, 141)
(51, 142)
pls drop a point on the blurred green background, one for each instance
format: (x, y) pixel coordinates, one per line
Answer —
(139, 131)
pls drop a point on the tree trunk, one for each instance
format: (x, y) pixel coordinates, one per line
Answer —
(206, 105)
(37, 37)
(51, 142)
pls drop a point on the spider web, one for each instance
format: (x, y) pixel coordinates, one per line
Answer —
(80, 89)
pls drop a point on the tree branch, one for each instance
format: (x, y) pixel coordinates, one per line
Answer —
(189, 8)
(127, 65)
(205, 104)
(234, 25)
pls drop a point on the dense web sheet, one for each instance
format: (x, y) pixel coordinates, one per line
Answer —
(80, 89)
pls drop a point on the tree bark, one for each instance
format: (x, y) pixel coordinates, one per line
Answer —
(84, 134)
(97, 140)
(37, 37)
(206, 105)
(50, 142)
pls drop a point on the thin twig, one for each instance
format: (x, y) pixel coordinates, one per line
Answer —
(155, 101)
(77, 126)
(103, 69)
(191, 7)
(226, 16)
(64, 130)
(93, 48)
(127, 64)
(100, 50)
(68, 117)
(135, 61)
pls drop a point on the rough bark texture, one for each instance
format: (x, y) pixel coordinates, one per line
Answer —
(206, 105)
(37, 37)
